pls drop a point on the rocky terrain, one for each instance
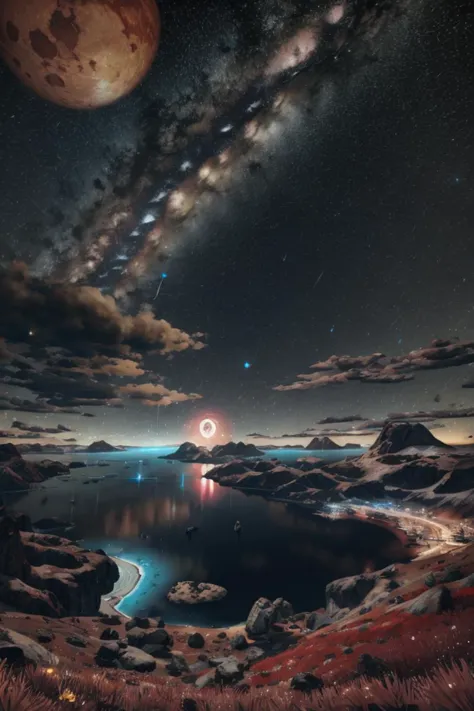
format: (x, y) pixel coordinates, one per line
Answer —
(405, 463)
(189, 452)
(16, 474)
(366, 629)
(48, 575)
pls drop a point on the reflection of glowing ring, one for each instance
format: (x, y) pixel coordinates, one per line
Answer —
(207, 428)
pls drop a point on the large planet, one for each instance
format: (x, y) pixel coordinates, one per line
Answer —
(79, 54)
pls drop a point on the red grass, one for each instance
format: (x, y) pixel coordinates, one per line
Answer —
(412, 645)
(448, 688)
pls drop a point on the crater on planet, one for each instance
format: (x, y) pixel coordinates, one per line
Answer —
(54, 80)
(43, 46)
(13, 32)
(65, 29)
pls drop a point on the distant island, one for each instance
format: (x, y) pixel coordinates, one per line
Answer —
(102, 446)
(328, 443)
(95, 448)
(405, 463)
(190, 452)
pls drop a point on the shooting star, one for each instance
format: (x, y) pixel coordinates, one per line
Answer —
(318, 279)
(163, 277)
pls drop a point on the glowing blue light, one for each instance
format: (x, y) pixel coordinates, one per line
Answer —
(164, 275)
(139, 477)
(181, 483)
(247, 365)
(331, 330)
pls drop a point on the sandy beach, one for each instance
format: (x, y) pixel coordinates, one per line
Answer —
(130, 576)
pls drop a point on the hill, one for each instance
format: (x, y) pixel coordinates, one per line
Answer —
(17, 474)
(397, 436)
(102, 446)
(322, 443)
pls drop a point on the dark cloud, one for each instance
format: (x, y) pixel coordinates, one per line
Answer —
(378, 368)
(81, 319)
(19, 405)
(156, 394)
(467, 384)
(427, 415)
(17, 425)
(86, 402)
(344, 418)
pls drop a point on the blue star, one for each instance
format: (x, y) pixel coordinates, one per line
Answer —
(331, 330)
(247, 365)
(164, 275)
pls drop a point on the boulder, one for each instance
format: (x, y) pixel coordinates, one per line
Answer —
(44, 636)
(157, 651)
(196, 641)
(110, 634)
(178, 665)
(239, 642)
(435, 600)
(189, 592)
(16, 648)
(139, 637)
(108, 652)
(349, 592)
(111, 619)
(265, 613)
(134, 659)
(76, 640)
(205, 680)
(307, 683)
(141, 622)
(372, 666)
(229, 672)
(318, 620)
(254, 654)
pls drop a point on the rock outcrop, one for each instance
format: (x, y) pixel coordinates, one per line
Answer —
(350, 592)
(19, 650)
(264, 614)
(48, 575)
(16, 474)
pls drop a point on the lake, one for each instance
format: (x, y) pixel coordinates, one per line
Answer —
(140, 507)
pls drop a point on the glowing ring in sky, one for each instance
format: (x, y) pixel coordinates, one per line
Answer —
(207, 428)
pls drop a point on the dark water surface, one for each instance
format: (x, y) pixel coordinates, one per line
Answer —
(283, 551)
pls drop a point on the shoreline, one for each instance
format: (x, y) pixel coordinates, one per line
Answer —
(125, 586)
(135, 574)
(131, 574)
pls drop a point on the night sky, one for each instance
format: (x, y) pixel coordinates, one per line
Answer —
(296, 216)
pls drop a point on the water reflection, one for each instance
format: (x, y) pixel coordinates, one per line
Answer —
(142, 513)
